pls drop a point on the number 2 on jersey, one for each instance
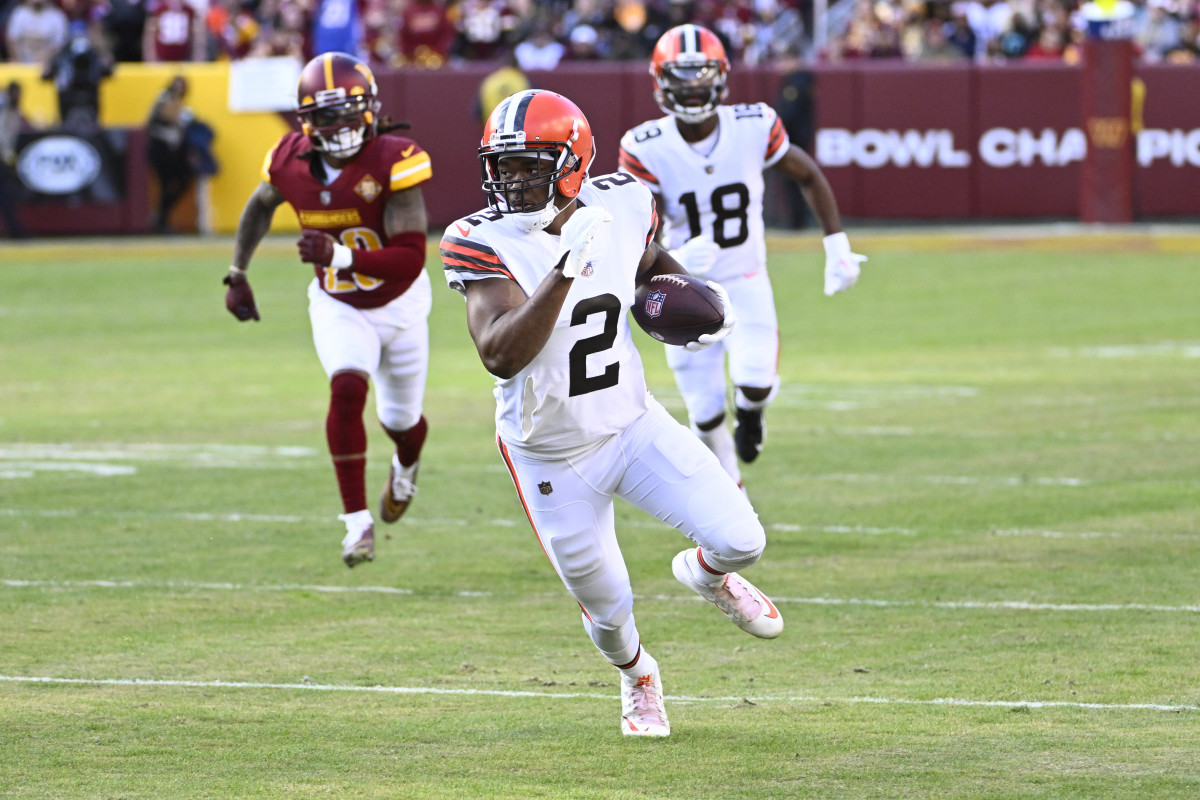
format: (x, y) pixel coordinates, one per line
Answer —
(581, 383)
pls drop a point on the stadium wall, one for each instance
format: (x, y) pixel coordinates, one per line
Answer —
(898, 141)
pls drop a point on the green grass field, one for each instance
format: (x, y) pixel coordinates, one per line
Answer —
(981, 488)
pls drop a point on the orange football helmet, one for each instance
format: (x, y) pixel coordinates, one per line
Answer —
(337, 103)
(542, 125)
(690, 68)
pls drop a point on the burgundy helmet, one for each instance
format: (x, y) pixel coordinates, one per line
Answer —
(337, 103)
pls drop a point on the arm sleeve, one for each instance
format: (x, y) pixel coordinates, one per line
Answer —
(402, 259)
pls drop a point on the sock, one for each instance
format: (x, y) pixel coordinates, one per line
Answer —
(347, 437)
(708, 577)
(409, 442)
(642, 664)
(746, 404)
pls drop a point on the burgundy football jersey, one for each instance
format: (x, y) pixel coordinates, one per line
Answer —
(351, 208)
(175, 22)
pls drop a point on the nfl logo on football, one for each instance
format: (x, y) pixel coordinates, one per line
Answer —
(654, 303)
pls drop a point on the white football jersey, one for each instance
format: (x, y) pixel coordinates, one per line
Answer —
(719, 194)
(587, 383)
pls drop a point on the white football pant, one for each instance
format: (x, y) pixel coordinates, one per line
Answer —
(656, 465)
(389, 343)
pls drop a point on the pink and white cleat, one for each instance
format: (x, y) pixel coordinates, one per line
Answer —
(738, 599)
(643, 712)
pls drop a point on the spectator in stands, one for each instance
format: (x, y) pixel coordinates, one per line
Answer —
(174, 31)
(426, 33)
(338, 28)
(77, 70)
(167, 150)
(484, 27)
(633, 27)
(123, 26)
(36, 31)
(283, 32)
(936, 46)
(1161, 31)
(12, 124)
(989, 20)
(233, 27)
(583, 45)
(960, 34)
(778, 32)
(1189, 45)
(541, 51)
(1049, 45)
(1021, 33)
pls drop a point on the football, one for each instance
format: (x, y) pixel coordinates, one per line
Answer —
(677, 309)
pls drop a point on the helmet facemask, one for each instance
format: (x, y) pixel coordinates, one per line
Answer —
(690, 90)
(339, 126)
(553, 162)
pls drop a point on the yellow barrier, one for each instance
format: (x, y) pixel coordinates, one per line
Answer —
(242, 140)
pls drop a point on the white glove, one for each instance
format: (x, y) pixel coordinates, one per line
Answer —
(841, 266)
(708, 339)
(576, 238)
(697, 255)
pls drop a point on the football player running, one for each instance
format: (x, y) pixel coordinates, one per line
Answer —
(704, 163)
(357, 193)
(548, 271)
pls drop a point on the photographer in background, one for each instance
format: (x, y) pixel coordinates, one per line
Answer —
(12, 123)
(167, 149)
(77, 70)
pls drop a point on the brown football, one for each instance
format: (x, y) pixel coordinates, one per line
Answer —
(677, 309)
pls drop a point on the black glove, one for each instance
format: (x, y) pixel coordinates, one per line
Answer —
(239, 298)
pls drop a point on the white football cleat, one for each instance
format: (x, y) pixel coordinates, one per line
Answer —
(738, 599)
(398, 491)
(643, 712)
(359, 544)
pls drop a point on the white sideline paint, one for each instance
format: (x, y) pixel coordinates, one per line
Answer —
(1015, 605)
(1184, 349)
(322, 687)
(966, 480)
(19, 461)
(1057, 534)
(782, 527)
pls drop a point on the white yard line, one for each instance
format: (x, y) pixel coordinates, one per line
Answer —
(321, 687)
(505, 522)
(1009, 605)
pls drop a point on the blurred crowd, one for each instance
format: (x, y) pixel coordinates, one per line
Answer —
(995, 31)
(535, 34)
(540, 34)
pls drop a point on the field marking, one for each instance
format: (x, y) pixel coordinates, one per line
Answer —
(1010, 605)
(324, 687)
(18, 461)
(26, 460)
(505, 522)
(1183, 349)
(963, 480)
